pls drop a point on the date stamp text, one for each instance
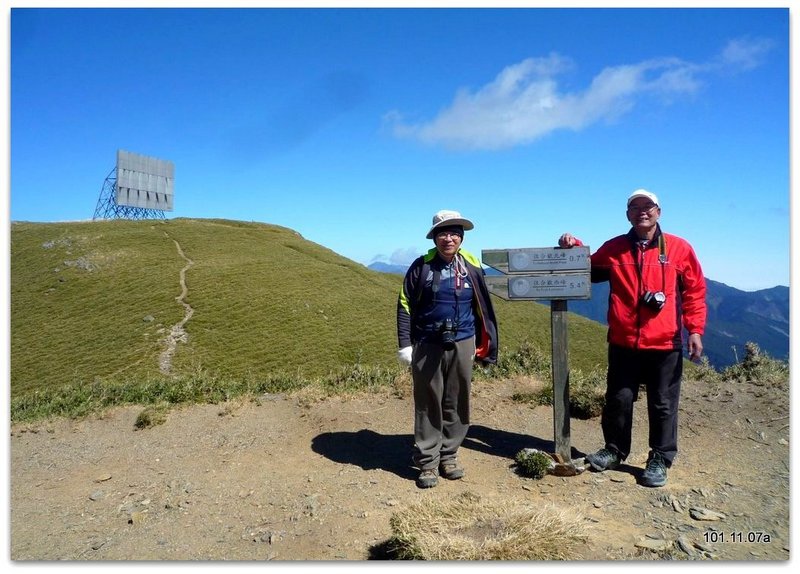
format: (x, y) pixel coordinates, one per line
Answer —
(736, 537)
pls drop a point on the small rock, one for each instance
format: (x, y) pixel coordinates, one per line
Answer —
(702, 547)
(685, 546)
(137, 517)
(654, 545)
(96, 495)
(699, 513)
(312, 505)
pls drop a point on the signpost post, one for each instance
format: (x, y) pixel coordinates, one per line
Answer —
(557, 275)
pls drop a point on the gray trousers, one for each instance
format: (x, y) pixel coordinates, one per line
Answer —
(442, 381)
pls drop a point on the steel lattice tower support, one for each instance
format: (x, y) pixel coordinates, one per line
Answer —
(108, 208)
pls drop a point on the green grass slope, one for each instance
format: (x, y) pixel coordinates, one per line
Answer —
(94, 301)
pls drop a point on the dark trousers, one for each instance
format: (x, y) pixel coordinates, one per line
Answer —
(442, 381)
(660, 372)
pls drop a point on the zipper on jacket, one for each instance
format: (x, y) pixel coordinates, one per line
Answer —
(640, 250)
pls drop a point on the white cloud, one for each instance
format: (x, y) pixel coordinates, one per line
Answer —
(524, 102)
(744, 54)
(404, 256)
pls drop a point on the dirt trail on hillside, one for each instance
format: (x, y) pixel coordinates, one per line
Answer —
(177, 334)
(286, 478)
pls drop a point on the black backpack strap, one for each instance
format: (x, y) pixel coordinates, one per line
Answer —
(423, 273)
(437, 278)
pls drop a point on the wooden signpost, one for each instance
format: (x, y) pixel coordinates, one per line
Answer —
(557, 275)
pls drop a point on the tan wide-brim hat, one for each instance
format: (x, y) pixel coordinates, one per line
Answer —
(446, 218)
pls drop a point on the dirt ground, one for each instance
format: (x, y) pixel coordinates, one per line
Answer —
(288, 478)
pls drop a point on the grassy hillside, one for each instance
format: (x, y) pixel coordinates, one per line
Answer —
(94, 301)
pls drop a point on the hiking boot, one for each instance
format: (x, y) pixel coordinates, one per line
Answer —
(604, 459)
(451, 470)
(655, 473)
(427, 479)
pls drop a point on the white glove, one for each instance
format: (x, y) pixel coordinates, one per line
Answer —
(404, 355)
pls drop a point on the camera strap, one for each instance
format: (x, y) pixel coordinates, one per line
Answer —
(662, 258)
(459, 273)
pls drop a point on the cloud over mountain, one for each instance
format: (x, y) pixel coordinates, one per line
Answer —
(525, 102)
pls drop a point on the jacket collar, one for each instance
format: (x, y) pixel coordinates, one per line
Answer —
(634, 239)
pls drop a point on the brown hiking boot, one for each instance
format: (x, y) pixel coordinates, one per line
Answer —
(451, 470)
(427, 479)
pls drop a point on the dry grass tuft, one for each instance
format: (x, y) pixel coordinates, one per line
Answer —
(151, 416)
(469, 527)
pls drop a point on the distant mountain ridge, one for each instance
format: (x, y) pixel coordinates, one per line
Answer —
(735, 317)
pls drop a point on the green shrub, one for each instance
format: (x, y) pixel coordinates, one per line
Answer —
(533, 463)
(704, 372)
(197, 387)
(151, 416)
(527, 359)
(587, 394)
(758, 368)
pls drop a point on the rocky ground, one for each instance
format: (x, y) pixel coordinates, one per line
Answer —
(292, 478)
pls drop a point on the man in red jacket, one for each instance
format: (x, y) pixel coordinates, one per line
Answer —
(657, 289)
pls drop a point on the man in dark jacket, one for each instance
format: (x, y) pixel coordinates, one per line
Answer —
(657, 289)
(445, 320)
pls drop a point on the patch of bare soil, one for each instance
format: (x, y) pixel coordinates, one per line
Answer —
(286, 478)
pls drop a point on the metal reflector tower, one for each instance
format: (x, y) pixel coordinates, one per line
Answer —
(139, 187)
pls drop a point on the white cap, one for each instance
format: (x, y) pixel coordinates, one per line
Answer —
(643, 193)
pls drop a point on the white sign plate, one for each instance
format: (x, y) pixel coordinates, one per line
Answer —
(548, 259)
(534, 287)
(538, 259)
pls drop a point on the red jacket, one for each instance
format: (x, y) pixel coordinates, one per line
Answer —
(632, 270)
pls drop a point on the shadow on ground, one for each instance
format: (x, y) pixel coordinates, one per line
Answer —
(368, 450)
(392, 453)
(507, 444)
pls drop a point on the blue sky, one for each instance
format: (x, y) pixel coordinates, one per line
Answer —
(354, 126)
